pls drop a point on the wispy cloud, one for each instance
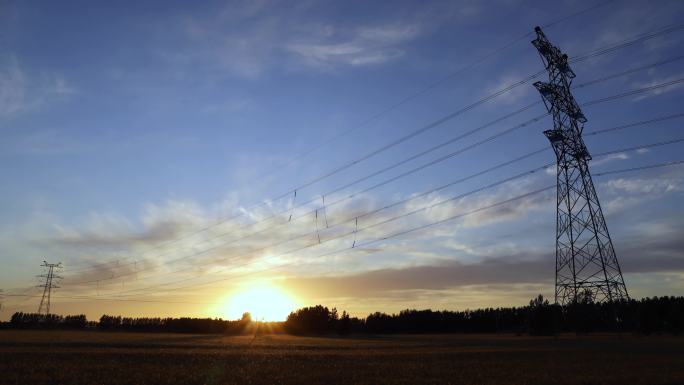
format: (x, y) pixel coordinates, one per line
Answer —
(252, 39)
(189, 233)
(21, 91)
(609, 158)
(500, 270)
(13, 88)
(624, 192)
(520, 93)
(644, 186)
(366, 46)
(661, 90)
(208, 247)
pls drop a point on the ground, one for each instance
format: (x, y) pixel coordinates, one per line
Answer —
(57, 357)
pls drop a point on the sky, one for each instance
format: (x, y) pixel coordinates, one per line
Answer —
(154, 149)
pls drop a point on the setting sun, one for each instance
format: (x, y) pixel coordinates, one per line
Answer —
(263, 302)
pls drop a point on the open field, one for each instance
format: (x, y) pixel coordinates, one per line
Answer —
(62, 357)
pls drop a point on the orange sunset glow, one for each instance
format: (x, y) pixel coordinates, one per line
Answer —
(264, 301)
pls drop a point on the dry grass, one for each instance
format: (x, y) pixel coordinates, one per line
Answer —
(53, 357)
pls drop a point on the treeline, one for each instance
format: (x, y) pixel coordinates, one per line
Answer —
(176, 325)
(646, 316)
(112, 323)
(649, 315)
(47, 321)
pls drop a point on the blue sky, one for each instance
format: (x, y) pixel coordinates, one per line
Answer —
(130, 125)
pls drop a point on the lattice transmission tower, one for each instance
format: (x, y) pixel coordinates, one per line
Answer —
(586, 264)
(49, 276)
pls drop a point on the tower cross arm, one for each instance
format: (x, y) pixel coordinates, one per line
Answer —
(552, 55)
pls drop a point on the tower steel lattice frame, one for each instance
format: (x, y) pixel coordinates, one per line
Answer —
(49, 276)
(586, 264)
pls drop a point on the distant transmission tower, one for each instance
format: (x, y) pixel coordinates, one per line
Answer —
(49, 276)
(586, 264)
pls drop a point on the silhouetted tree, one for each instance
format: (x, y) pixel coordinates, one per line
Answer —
(542, 317)
(246, 317)
(344, 324)
(312, 320)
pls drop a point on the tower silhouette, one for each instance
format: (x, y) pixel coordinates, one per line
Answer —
(48, 285)
(586, 264)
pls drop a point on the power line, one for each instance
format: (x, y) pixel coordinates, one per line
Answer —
(416, 156)
(114, 299)
(600, 51)
(635, 124)
(25, 292)
(360, 229)
(628, 72)
(477, 103)
(440, 159)
(422, 227)
(382, 183)
(648, 167)
(404, 232)
(394, 235)
(355, 218)
(627, 43)
(483, 100)
(435, 84)
(347, 234)
(580, 12)
(468, 133)
(635, 92)
(115, 263)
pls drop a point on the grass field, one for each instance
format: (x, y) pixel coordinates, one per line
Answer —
(57, 357)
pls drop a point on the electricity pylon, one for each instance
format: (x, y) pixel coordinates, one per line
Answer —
(586, 264)
(48, 286)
